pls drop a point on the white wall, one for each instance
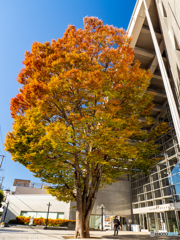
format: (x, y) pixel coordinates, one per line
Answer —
(34, 203)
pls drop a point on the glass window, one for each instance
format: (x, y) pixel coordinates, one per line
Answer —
(173, 162)
(60, 215)
(133, 185)
(170, 152)
(140, 190)
(157, 193)
(146, 180)
(175, 140)
(150, 203)
(133, 179)
(147, 187)
(163, 173)
(173, 133)
(176, 189)
(151, 220)
(153, 169)
(175, 169)
(178, 149)
(149, 195)
(175, 178)
(42, 214)
(166, 191)
(172, 221)
(136, 218)
(134, 199)
(177, 198)
(162, 165)
(135, 205)
(168, 136)
(166, 182)
(156, 185)
(25, 214)
(142, 205)
(155, 177)
(158, 202)
(141, 197)
(134, 192)
(168, 144)
(95, 221)
(53, 215)
(140, 183)
(168, 200)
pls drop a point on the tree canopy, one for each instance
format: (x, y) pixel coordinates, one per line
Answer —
(78, 116)
(1, 197)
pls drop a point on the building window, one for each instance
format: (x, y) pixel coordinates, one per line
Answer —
(157, 193)
(163, 173)
(175, 179)
(166, 182)
(156, 185)
(136, 219)
(166, 191)
(148, 195)
(147, 188)
(52, 215)
(149, 204)
(158, 202)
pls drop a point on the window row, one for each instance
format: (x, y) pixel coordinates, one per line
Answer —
(173, 199)
(52, 215)
(167, 191)
(161, 170)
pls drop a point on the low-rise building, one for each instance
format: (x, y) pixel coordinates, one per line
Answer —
(31, 199)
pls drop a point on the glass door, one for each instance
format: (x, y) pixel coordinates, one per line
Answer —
(143, 221)
(161, 224)
(151, 222)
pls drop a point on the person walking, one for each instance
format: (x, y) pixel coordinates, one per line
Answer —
(116, 225)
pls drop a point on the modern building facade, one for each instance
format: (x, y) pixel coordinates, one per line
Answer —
(155, 27)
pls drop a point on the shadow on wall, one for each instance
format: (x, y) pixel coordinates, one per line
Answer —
(8, 214)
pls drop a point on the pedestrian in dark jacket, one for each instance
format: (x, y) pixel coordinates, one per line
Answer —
(116, 225)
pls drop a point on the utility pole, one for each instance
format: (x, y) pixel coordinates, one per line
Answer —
(49, 204)
(1, 178)
(6, 212)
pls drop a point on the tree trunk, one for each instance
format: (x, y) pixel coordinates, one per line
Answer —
(82, 226)
(85, 204)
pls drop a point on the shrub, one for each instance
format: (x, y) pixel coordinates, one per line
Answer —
(41, 221)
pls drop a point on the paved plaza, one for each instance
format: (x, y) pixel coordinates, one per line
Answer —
(10, 233)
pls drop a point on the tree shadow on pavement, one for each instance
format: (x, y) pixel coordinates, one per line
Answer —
(11, 231)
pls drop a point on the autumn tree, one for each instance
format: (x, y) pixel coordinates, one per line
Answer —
(81, 114)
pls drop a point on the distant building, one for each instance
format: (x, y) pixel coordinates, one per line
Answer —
(30, 199)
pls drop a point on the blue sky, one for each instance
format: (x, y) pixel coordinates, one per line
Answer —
(21, 23)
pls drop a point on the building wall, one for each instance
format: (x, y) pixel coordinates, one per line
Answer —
(170, 26)
(116, 198)
(27, 190)
(33, 203)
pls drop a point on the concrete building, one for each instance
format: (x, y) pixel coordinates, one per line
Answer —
(155, 27)
(31, 199)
